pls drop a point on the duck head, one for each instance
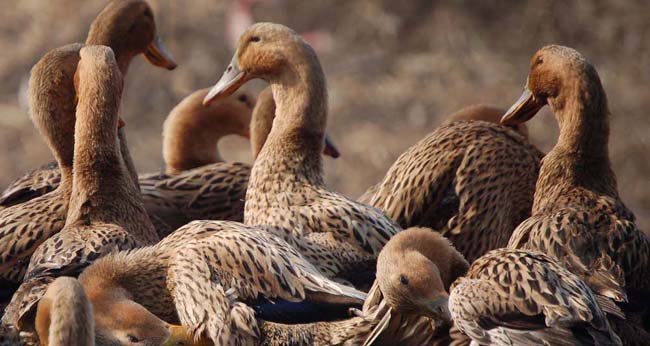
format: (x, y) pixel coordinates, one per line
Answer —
(129, 28)
(557, 74)
(122, 322)
(409, 280)
(191, 132)
(265, 51)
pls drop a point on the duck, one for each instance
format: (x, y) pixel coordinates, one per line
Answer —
(105, 213)
(523, 297)
(198, 184)
(286, 188)
(66, 317)
(209, 275)
(459, 181)
(23, 227)
(127, 26)
(576, 196)
(407, 304)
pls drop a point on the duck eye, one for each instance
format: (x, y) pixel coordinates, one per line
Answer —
(255, 39)
(132, 338)
(403, 280)
(539, 61)
(242, 98)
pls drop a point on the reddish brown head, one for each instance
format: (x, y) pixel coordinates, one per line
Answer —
(129, 28)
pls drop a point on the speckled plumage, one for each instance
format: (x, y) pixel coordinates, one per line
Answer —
(473, 181)
(211, 192)
(204, 273)
(23, 227)
(105, 212)
(578, 217)
(286, 188)
(517, 297)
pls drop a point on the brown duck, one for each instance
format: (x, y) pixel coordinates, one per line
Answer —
(128, 27)
(106, 212)
(286, 187)
(52, 105)
(66, 317)
(577, 216)
(198, 184)
(406, 306)
(249, 262)
(471, 179)
(519, 297)
(208, 275)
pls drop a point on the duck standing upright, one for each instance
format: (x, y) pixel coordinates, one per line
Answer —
(577, 216)
(106, 212)
(286, 187)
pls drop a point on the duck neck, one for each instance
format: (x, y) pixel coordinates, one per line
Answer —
(580, 159)
(296, 138)
(101, 183)
(126, 156)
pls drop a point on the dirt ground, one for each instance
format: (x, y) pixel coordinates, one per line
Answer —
(395, 69)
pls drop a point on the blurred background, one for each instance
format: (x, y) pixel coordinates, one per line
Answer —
(395, 70)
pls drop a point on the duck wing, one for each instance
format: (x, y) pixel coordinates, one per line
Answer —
(238, 264)
(34, 184)
(471, 180)
(521, 297)
(212, 192)
(23, 228)
(77, 246)
(570, 236)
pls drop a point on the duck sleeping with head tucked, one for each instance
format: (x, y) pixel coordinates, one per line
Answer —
(286, 187)
(471, 179)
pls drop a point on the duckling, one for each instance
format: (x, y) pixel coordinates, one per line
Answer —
(208, 275)
(578, 217)
(518, 297)
(471, 179)
(128, 27)
(198, 185)
(286, 187)
(106, 211)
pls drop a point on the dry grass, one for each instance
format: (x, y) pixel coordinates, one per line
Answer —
(395, 70)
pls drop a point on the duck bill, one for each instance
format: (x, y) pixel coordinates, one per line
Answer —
(158, 55)
(523, 110)
(438, 309)
(330, 148)
(181, 336)
(233, 78)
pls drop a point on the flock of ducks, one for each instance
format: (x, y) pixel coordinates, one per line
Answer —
(473, 237)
